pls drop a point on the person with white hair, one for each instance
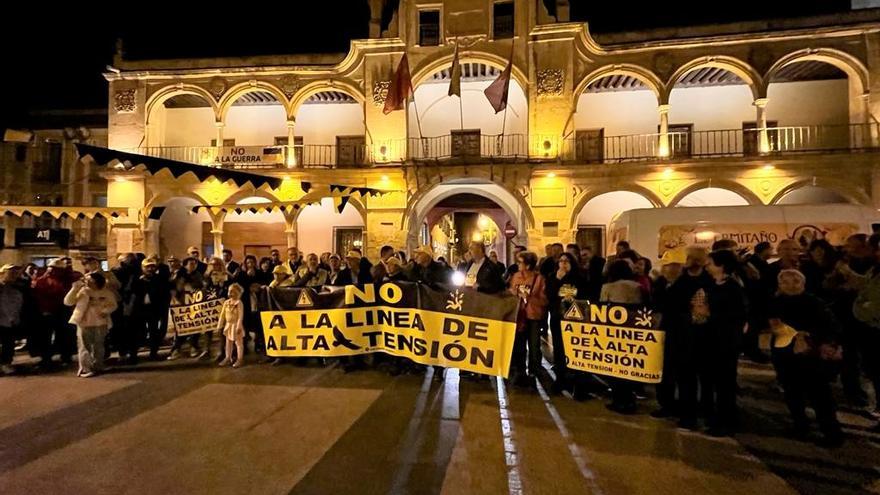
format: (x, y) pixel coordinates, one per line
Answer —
(806, 355)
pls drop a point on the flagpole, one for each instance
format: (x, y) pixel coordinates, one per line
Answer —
(460, 97)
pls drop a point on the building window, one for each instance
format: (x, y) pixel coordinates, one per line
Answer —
(429, 27)
(48, 168)
(503, 20)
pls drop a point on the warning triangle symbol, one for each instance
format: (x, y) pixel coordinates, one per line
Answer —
(304, 299)
(574, 313)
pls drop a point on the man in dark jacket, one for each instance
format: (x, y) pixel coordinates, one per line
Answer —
(337, 275)
(360, 267)
(481, 273)
(427, 271)
(232, 266)
(152, 296)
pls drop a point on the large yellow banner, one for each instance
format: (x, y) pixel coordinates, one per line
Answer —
(458, 329)
(614, 340)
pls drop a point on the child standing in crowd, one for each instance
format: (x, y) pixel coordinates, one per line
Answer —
(92, 303)
(232, 325)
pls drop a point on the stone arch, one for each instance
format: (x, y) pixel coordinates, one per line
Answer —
(742, 70)
(244, 193)
(432, 66)
(426, 198)
(646, 76)
(750, 197)
(313, 87)
(235, 92)
(849, 64)
(581, 200)
(168, 92)
(852, 194)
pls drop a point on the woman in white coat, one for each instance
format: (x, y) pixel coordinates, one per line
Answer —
(92, 305)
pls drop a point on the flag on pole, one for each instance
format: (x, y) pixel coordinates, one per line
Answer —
(400, 89)
(455, 75)
(496, 93)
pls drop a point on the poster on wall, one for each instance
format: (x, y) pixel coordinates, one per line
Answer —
(672, 237)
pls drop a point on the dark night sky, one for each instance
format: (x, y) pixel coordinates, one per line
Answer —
(56, 60)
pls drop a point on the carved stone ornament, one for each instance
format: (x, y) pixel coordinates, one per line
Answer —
(380, 92)
(289, 85)
(550, 82)
(124, 101)
(217, 86)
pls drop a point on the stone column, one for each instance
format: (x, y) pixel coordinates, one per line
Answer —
(290, 228)
(761, 124)
(291, 141)
(663, 150)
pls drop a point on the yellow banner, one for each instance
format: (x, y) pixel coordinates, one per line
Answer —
(613, 340)
(480, 345)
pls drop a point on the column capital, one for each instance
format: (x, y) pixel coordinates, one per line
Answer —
(217, 231)
(291, 123)
(866, 95)
(219, 124)
(761, 102)
(664, 108)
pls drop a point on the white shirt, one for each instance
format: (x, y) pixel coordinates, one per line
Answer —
(470, 279)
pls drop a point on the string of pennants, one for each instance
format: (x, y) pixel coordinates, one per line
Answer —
(78, 212)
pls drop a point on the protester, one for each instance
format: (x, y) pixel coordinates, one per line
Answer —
(275, 260)
(360, 272)
(513, 266)
(379, 269)
(92, 305)
(53, 334)
(11, 305)
(726, 323)
(394, 270)
(529, 286)
(232, 266)
(481, 274)
(294, 260)
(193, 252)
(231, 325)
(310, 274)
(806, 355)
(281, 277)
(621, 289)
(668, 304)
(152, 297)
(337, 276)
(563, 286)
(427, 271)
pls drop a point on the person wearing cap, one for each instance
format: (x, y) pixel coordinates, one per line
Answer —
(427, 271)
(53, 333)
(394, 270)
(174, 264)
(280, 277)
(360, 271)
(152, 296)
(193, 252)
(337, 275)
(11, 305)
(92, 305)
(310, 274)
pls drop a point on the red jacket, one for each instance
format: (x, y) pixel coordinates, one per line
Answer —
(536, 301)
(49, 291)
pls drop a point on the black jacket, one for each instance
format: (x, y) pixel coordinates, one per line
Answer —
(728, 313)
(806, 313)
(574, 278)
(490, 277)
(433, 275)
(232, 268)
(342, 278)
(157, 287)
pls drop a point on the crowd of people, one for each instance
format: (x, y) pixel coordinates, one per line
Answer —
(819, 308)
